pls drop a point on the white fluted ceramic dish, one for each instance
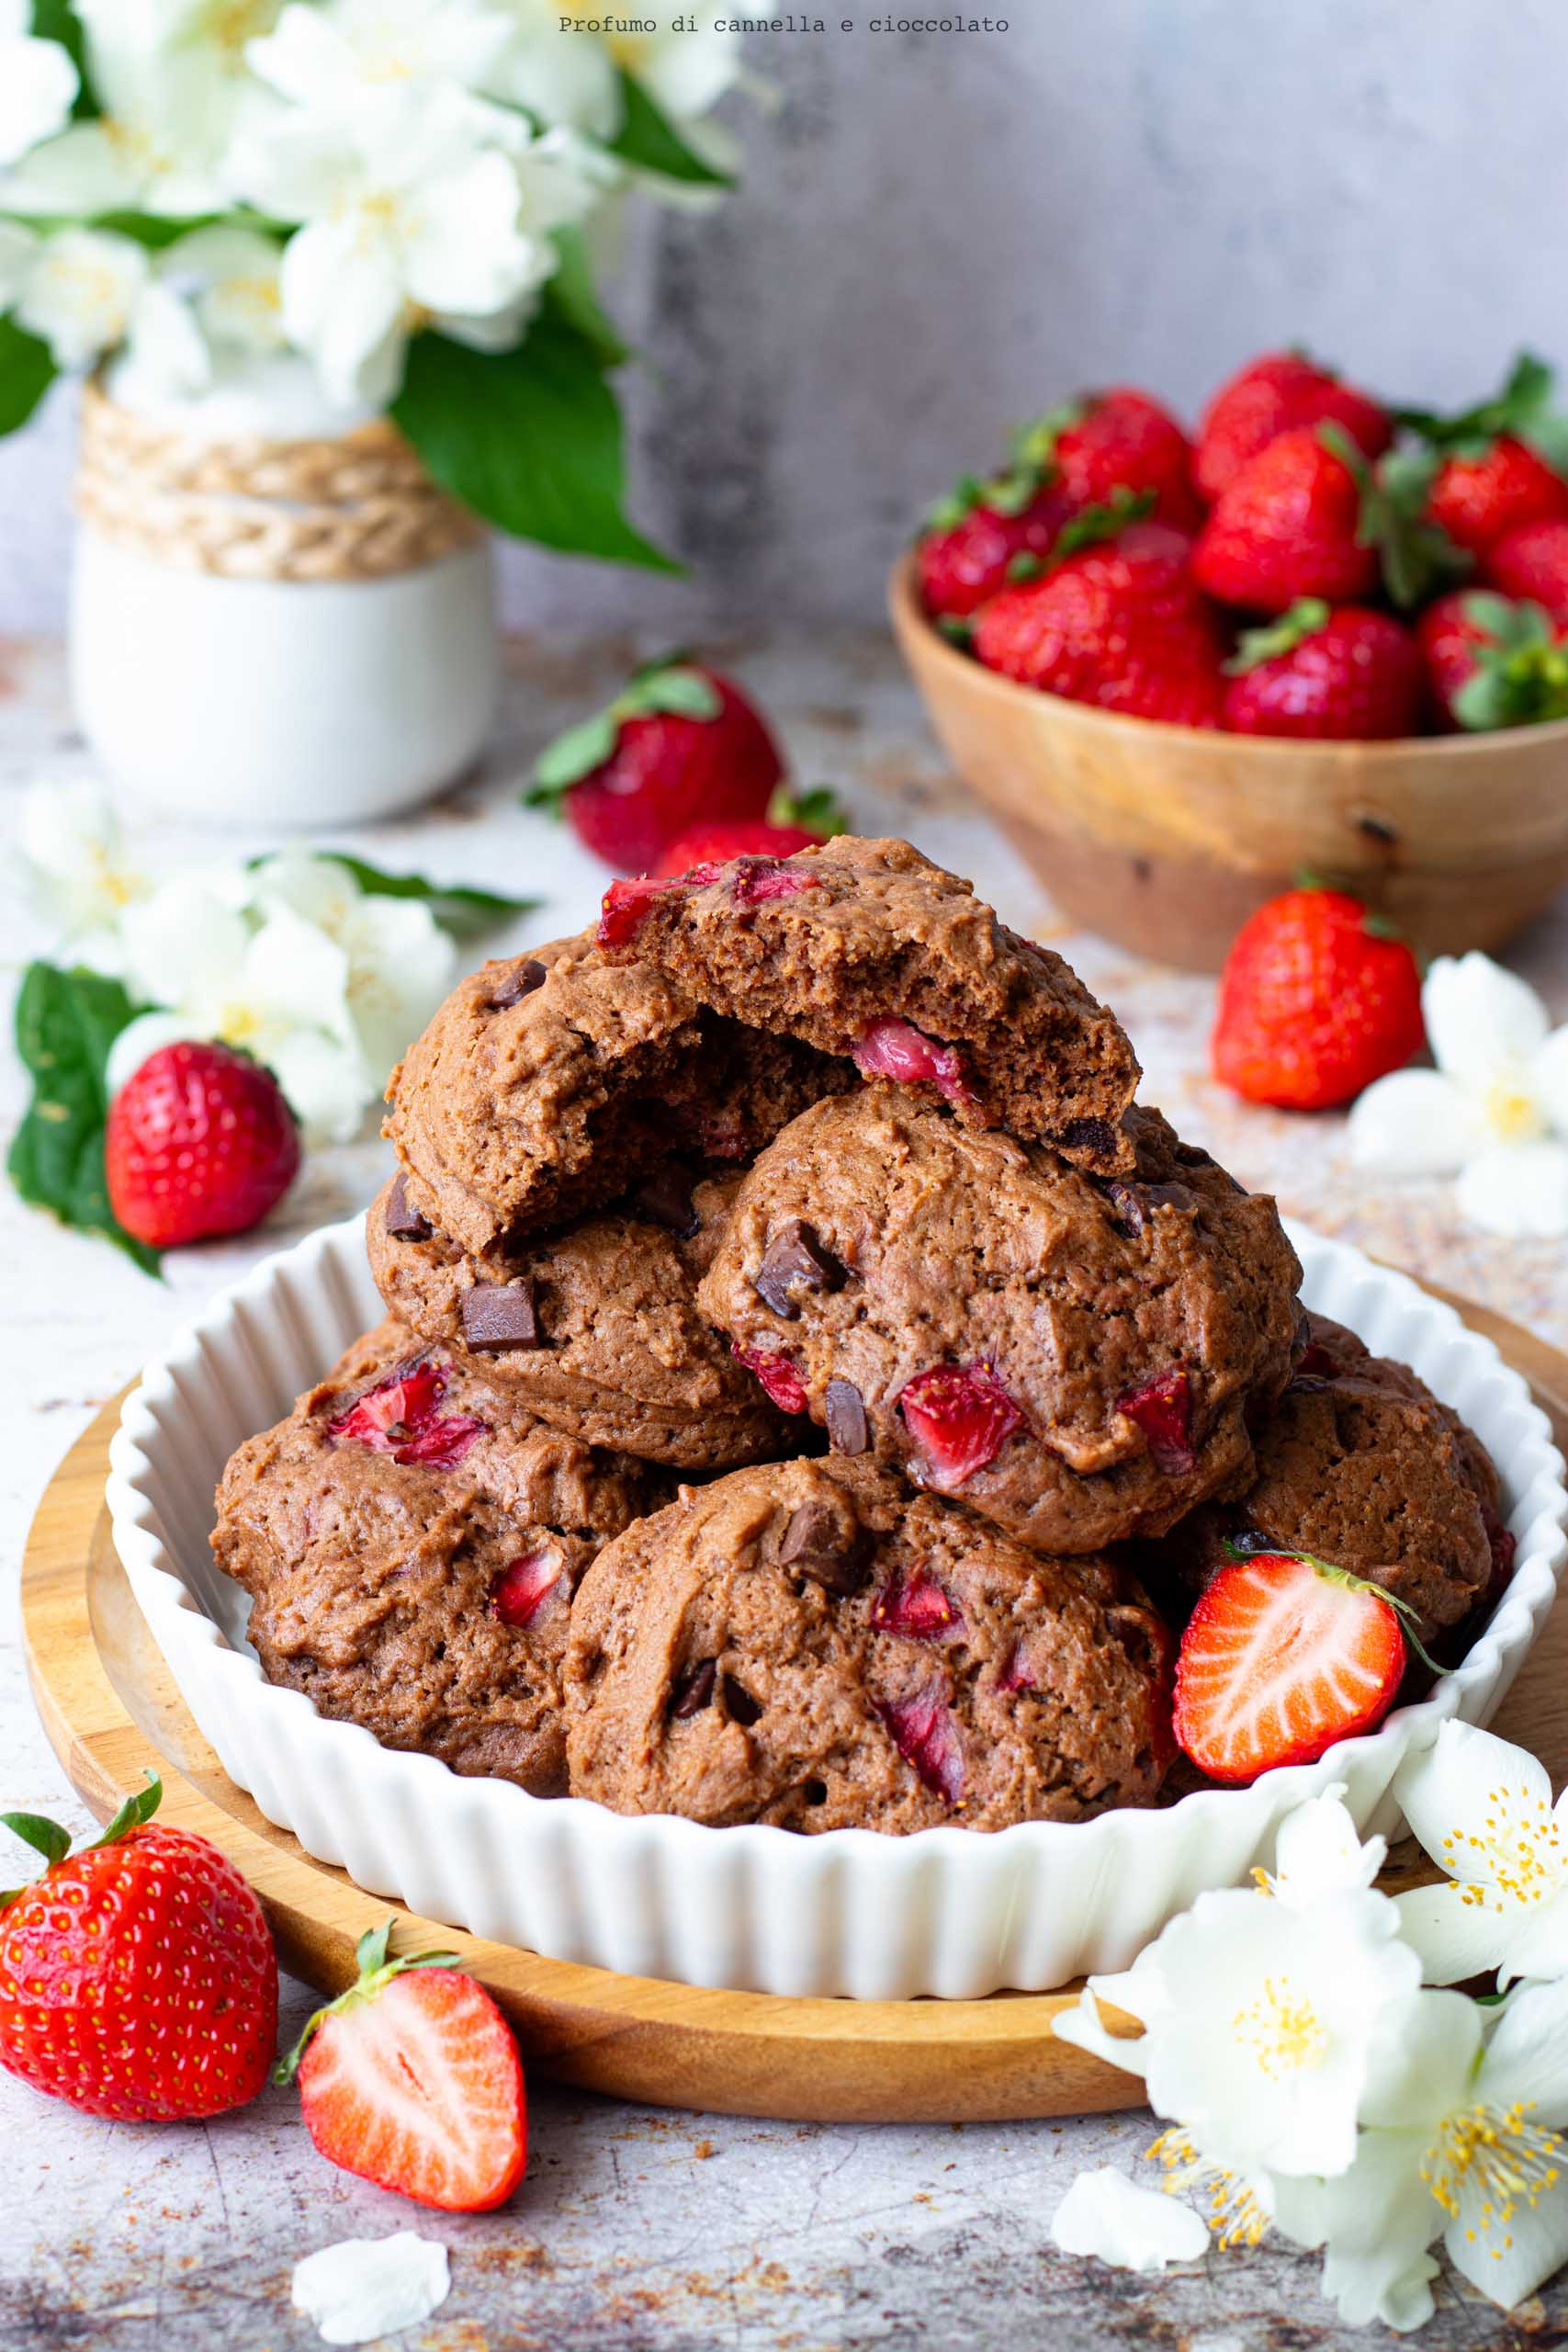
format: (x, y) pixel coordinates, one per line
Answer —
(952, 1912)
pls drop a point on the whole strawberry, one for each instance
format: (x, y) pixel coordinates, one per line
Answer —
(1492, 661)
(1532, 563)
(137, 1977)
(1116, 440)
(1289, 524)
(1486, 474)
(789, 825)
(1282, 392)
(1328, 674)
(199, 1141)
(681, 747)
(1119, 624)
(984, 535)
(1316, 1001)
(411, 2079)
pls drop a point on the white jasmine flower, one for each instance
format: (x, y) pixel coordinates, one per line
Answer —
(158, 145)
(1462, 2140)
(1494, 1112)
(399, 962)
(364, 2288)
(38, 83)
(1482, 1810)
(1264, 2024)
(1318, 1850)
(279, 992)
(70, 840)
(328, 56)
(564, 74)
(407, 216)
(85, 291)
(230, 277)
(1106, 2214)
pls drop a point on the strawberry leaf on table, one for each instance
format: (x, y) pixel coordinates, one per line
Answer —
(529, 438)
(650, 140)
(460, 910)
(66, 1021)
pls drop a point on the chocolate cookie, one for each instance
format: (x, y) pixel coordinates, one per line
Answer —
(1362, 1465)
(864, 947)
(410, 1537)
(1077, 1358)
(595, 1328)
(807, 1645)
(548, 1084)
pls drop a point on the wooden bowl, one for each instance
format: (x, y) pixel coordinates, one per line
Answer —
(1165, 839)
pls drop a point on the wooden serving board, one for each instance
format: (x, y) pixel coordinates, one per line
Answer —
(111, 1711)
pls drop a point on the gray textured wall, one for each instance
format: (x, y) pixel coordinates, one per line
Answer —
(939, 233)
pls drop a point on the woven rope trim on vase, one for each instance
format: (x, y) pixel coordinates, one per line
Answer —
(361, 507)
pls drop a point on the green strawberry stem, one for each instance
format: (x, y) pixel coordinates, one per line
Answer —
(1305, 618)
(1416, 556)
(47, 1839)
(1520, 409)
(1408, 1618)
(815, 812)
(669, 682)
(1092, 525)
(1521, 678)
(375, 1973)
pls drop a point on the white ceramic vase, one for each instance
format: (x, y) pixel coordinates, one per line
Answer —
(245, 653)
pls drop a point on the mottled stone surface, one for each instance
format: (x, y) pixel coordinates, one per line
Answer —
(938, 235)
(637, 2231)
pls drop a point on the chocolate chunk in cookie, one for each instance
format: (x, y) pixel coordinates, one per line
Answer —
(866, 948)
(410, 1537)
(1079, 1361)
(957, 1679)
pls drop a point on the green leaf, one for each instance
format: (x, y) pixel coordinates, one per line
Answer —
(27, 372)
(574, 753)
(462, 911)
(1305, 618)
(947, 511)
(1024, 565)
(816, 811)
(1034, 444)
(1416, 556)
(45, 1837)
(135, 1813)
(956, 630)
(650, 140)
(66, 1021)
(684, 693)
(58, 20)
(1519, 407)
(529, 438)
(573, 296)
(669, 682)
(1091, 525)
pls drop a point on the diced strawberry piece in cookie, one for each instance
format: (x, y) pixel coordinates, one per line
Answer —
(399, 1417)
(757, 878)
(923, 1731)
(777, 1373)
(896, 1050)
(1282, 1657)
(520, 1591)
(387, 1415)
(961, 1416)
(626, 905)
(1162, 1408)
(917, 1607)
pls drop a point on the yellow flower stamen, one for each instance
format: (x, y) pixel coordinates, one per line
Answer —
(1287, 2032)
(1500, 2158)
(1235, 2217)
(1512, 1111)
(1522, 1853)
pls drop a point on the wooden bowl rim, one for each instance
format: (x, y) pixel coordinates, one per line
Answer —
(908, 616)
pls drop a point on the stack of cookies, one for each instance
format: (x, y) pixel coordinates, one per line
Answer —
(803, 1362)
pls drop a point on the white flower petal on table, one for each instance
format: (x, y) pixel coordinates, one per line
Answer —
(328, 1084)
(1415, 1123)
(1519, 1190)
(1106, 2214)
(183, 945)
(140, 1040)
(1479, 1015)
(1318, 1850)
(363, 2288)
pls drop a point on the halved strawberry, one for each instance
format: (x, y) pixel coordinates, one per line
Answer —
(961, 1416)
(1283, 1656)
(411, 2079)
